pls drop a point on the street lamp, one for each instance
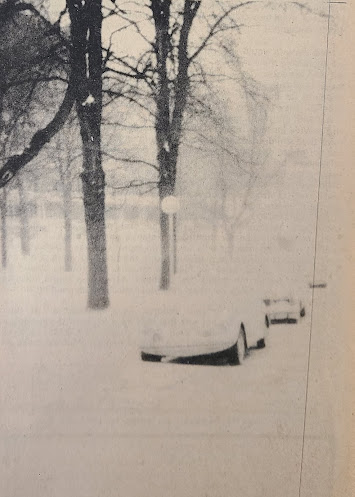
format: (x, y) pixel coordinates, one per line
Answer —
(170, 205)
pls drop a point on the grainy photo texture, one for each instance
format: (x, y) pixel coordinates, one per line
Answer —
(173, 249)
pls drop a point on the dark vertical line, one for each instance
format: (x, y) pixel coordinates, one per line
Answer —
(175, 242)
(3, 216)
(315, 253)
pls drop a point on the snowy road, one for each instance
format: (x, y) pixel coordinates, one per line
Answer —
(82, 416)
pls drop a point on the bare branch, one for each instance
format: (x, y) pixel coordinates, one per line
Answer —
(135, 184)
(217, 28)
(124, 125)
(39, 139)
(130, 161)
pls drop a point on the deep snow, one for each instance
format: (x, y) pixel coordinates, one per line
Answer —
(82, 415)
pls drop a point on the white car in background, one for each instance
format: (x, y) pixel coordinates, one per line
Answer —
(195, 327)
(283, 310)
(318, 284)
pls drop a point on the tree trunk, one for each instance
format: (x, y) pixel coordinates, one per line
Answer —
(24, 227)
(166, 188)
(170, 107)
(93, 181)
(165, 251)
(86, 64)
(94, 206)
(67, 206)
(3, 213)
(167, 167)
(161, 14)
(175, 243)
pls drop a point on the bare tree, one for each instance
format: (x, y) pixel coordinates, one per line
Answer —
(3, 215)
(84, 90)
(23, 214)
(247, 165)
(64, 154)
(86, 76)
(167, 73)
(32, 59)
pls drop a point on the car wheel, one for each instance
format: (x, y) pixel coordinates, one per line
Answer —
(267, 322)
(303, 312)
(261, 343)
(150, 357)
(238, 351)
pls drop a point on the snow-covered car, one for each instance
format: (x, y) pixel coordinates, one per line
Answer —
(318, 284)
(283, 310)
(183, 326)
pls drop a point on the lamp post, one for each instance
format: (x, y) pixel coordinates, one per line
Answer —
(171, 205)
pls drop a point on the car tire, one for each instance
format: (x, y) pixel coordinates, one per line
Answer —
(239, 350)
(260, 344)
(150, 357)
(302, 312)
(267, 321)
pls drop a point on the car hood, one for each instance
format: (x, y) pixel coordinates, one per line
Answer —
(177, 319)
(283, 305)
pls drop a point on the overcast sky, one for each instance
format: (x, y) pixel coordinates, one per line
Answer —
(283, 47)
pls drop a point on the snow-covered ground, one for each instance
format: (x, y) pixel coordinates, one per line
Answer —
(82, 416)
